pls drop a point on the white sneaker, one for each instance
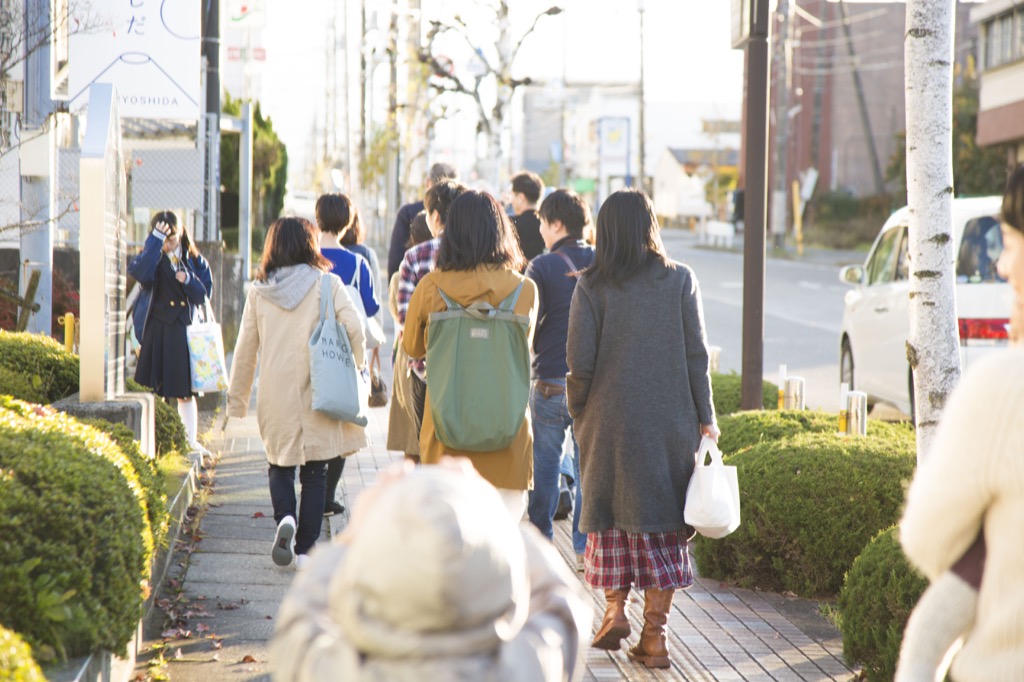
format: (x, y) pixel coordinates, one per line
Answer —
(282, 554)
(301, 560)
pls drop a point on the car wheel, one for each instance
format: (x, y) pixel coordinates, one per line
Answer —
(846, 366)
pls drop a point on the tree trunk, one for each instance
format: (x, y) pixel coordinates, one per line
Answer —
(933, 348)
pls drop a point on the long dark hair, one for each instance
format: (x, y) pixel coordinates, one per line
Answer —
(478, 232)
(291, 241)
(187, 245)
(628, 237)
(1013, 200)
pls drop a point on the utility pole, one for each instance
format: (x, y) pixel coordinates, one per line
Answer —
(362, 92)
(211, 50)
(783, 81)
(755, 206)
(865, 118)
(643, 125)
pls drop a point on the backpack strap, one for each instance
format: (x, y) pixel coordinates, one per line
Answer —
(510, 302)
(452, 305)
(573, 270)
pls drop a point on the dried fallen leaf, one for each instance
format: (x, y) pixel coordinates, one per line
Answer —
(269, 617)
(227, 607)
(259, 515)
(249, 659)
(178, 655)
(217, 644)
(215, 657)
(169, 634)
(202, 627)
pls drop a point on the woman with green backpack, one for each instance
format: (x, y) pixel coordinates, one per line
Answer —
(473, 317)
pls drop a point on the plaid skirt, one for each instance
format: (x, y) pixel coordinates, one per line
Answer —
(616, 560)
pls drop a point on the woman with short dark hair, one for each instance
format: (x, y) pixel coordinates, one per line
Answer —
(282, 308)
(639, 391)
(478, 260)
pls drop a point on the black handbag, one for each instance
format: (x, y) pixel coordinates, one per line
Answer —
(378, 389)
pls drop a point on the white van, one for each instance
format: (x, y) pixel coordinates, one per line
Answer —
(876, 318)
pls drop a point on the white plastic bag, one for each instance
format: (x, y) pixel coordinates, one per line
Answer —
(713, 495)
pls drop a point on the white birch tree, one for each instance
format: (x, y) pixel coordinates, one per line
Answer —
(933, 347)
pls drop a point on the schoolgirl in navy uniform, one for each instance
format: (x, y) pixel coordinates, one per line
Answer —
(175, 283)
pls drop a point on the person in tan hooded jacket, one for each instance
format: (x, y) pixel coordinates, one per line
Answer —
(282, 308)
(491, 600)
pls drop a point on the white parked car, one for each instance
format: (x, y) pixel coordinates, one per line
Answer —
(876, 318)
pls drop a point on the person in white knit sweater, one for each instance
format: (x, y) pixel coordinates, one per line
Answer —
(433, 580)
(965, 508)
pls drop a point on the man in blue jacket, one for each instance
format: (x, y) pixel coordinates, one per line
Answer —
(563, 217)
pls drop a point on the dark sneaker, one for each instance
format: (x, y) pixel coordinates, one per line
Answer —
(282, 554)
(333, 507)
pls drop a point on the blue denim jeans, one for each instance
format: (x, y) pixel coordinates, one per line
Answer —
(551, 420)
(310, 516)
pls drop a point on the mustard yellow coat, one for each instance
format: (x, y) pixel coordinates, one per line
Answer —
(511, 467)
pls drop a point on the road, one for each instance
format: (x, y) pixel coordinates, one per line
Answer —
(802, 315)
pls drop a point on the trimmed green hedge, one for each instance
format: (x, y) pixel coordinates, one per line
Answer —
(744, 429)
(145, 468)
(727, 393)
(22, 386)
(809, 504)
(170, 433)
(16, 662)
(74, 534)
(875, 603)
(51, 370)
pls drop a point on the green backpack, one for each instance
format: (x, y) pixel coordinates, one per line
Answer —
(478, 373)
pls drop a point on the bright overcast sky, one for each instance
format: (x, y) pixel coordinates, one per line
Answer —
(688, 58)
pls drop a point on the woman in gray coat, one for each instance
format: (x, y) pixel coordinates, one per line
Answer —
(640, 393)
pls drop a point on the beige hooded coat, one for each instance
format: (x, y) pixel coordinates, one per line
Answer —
(279, 317)
(438, 583)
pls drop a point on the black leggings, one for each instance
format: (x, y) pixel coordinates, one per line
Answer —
(334, 468)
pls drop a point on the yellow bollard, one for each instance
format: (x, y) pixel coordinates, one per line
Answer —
(68, 320)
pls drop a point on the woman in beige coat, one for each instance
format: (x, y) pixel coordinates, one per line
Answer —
(281, 310)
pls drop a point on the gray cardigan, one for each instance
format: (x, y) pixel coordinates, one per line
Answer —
(639, 389)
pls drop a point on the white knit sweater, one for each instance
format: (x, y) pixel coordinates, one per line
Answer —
(974, 476)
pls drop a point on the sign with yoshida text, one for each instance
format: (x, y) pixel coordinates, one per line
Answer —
(149, 50)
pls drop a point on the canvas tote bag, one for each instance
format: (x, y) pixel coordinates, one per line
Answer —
(339, 389)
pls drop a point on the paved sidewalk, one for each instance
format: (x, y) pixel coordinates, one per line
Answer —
(232, 591)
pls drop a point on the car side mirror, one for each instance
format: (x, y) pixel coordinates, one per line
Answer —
(852, 274)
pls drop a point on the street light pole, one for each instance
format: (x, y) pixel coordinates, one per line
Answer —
(643, 126)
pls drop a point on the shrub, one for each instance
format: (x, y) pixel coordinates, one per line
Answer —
(145, 468)
(49, 367)
(727, 390)
(809, 504)
(881, 590)
(16, 662)
(744, 429)
(74, 536)
(21, 386)
(170, 433)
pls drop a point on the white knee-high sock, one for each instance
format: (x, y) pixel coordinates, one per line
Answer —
(189, 413)
(943, 615)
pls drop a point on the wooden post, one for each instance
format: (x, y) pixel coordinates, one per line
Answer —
(28, 304)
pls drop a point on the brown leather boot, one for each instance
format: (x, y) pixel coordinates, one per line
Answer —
(652, 650)
(615, 625)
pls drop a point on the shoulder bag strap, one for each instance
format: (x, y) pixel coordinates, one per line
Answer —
(573, 270)
(326, 295)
